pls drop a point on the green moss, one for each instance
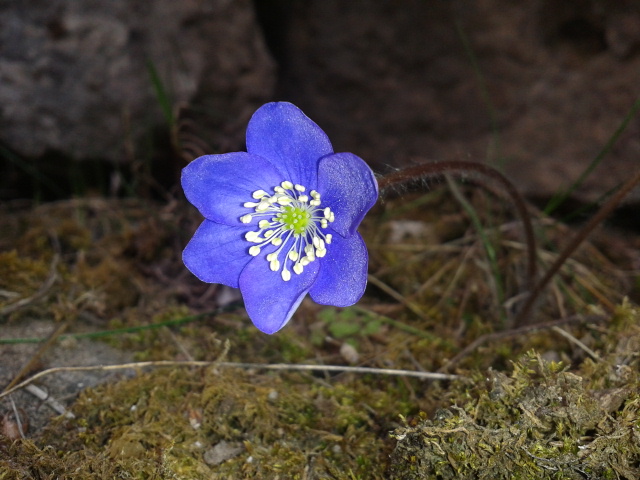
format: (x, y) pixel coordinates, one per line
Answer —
(540, 422)
(161, 425)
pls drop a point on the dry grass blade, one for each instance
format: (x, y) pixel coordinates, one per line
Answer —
(261, 366)
(51, 279)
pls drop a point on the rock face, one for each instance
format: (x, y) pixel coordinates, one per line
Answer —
(75, 76)
(535, 87)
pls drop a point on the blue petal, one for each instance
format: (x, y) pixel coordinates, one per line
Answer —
(343, 272)
(349, 188)
(218, 185)
(217, 253)
(290, 140)
(269, 300)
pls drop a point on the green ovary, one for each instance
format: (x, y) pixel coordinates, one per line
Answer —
(295, 219)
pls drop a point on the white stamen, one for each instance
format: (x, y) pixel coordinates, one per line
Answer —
(252, 237)
(258, 194)
(291, 221)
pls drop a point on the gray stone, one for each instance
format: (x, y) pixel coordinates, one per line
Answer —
(75, 76)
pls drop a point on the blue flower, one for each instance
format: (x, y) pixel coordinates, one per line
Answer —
(281, 218)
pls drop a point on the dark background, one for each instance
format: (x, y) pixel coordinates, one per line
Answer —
(114, 99)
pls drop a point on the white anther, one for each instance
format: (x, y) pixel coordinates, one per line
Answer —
(298, 268)
(246, 218)
(276, 241)
(315, 194)
(250, 204)
(274, 265)
(324, 223)
(284, 200)
(308, 248)
(287, 185)
(332, 217)
(327, 238)
(293, 255)
(272, 256)
(286, 275)
(321, 252)
(278, 190)
(268, 233)
(264, 223)
(262, 206)
(254, 251)
(327, 212)
(314, 203)
(303, 198)
(316, 242)
(252, 237)
(300, 188)
(258, 194)
(306, 261)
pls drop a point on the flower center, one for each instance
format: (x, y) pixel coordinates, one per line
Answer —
(292, 221)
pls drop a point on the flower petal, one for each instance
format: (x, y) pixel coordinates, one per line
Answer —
(217, 253)
(219, 185)
(343, 272)
(290, 140)
(349, 188)
(269, 300)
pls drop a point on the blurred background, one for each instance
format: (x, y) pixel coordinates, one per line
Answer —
(114, 98)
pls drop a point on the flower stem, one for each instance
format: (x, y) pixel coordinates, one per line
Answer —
(575, 242)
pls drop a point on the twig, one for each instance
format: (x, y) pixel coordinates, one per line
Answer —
(42, 291)
(27, 367)
(575, 341)
(258, 366)
(55, 405)
(18, 419)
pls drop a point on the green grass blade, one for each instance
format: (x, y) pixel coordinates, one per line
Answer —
(559, 198)
(161, 93)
